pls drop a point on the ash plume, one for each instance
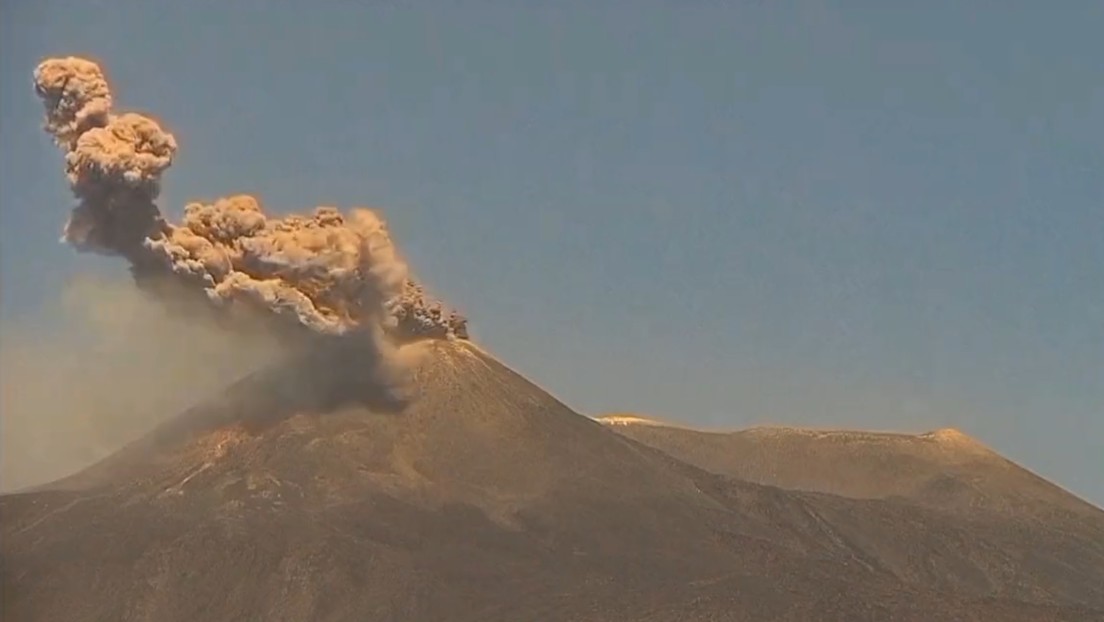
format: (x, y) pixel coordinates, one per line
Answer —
(330, 273)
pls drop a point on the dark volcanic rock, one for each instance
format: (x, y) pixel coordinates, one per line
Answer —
(308, 493)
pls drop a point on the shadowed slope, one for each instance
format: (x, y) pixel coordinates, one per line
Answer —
(467, 493)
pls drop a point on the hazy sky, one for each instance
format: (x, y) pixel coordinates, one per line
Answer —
(785, 212)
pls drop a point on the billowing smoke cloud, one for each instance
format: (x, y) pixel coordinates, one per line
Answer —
(330, 273)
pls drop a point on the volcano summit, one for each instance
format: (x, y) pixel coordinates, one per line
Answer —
(479, 496)
(388, 468)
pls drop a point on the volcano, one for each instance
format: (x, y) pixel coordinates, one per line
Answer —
(333, 487)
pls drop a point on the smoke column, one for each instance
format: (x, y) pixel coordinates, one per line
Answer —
(329, 273)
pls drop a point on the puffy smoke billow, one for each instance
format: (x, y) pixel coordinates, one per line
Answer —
(331, 273)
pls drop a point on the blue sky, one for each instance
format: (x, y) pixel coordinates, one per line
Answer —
(808, 213)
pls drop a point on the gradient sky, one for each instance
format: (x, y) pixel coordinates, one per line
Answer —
(788, 212)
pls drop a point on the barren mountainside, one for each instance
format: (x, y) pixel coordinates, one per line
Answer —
(468, 493)
(943, 469)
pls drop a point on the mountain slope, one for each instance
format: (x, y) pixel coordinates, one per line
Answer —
(308, 492)
(945, 468)
(889, 494)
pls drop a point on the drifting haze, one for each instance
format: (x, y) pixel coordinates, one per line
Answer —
(109, 366)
